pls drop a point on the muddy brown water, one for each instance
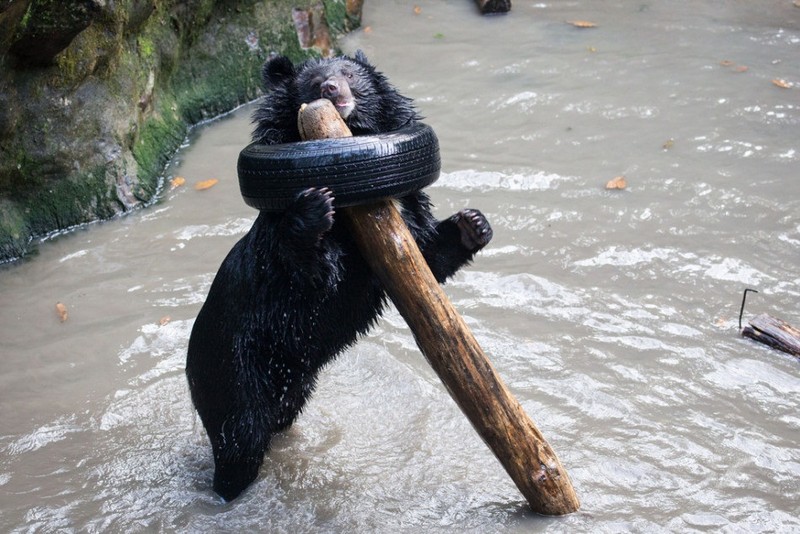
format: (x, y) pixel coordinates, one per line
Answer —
(612, 315)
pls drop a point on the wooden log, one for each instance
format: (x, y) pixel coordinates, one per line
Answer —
(448, 344)
(489, 7)
(774, 332)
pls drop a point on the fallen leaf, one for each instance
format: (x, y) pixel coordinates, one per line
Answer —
(177, 182)
(734, 66)
(61, 310)
(617, 183)
(367, 29)
(592, 49)
(164, 320)
(417, 10)
(582, 23)
(783, 84)
(669, 143)
(206, 184)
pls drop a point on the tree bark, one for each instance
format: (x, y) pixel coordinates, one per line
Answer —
(775, 333)
(448, 344)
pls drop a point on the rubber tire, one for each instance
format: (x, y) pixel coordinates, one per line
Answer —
(356, 169)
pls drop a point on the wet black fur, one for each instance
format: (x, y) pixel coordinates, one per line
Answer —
(294, 291)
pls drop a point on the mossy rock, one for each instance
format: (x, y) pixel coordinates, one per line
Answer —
(86, 134)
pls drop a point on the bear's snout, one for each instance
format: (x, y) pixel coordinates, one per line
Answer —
(329, 88)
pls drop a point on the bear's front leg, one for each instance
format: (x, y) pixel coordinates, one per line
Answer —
(456, 241)
(301, 245)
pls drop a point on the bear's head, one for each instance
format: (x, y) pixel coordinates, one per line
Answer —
(363, 96)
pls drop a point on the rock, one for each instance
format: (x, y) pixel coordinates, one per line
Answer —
(96, 95)
(48, 27)
(491, 7)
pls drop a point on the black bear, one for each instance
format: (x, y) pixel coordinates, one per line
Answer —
(295, 291)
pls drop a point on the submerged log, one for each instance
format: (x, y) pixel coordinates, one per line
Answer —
(488, 7)
(446, 342)
(774, 332)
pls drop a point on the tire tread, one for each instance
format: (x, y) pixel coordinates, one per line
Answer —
(357, 169)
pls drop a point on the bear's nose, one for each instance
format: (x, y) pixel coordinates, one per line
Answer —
(329, 88)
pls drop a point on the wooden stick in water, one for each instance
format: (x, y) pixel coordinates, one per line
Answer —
(774, 332)
(446, 341)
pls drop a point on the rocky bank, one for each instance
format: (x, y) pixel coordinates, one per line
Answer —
(96, 95)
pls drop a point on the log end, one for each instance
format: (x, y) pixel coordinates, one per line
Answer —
(320, 120)
(774, 333)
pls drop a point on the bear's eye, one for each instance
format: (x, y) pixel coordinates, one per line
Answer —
(348, 74)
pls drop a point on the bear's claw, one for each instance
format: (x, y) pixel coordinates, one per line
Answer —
(476, 232)
(314, 210)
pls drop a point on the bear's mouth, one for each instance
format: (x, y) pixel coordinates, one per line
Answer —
(344, 107)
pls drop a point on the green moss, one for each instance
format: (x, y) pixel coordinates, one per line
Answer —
(223, 87)
(160, 136)
(70, 202)
(209, 80)
(14, 234)
(338, 20)
(92, 49)
(336, 16)
(291, 46)
(26, 19)
(62, 204)
(23, 173)
(146, 46)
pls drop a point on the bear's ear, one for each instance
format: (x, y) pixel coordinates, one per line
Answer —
(361, 57)
(276, 71)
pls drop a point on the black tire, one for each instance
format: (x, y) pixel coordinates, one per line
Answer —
(356, 169)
